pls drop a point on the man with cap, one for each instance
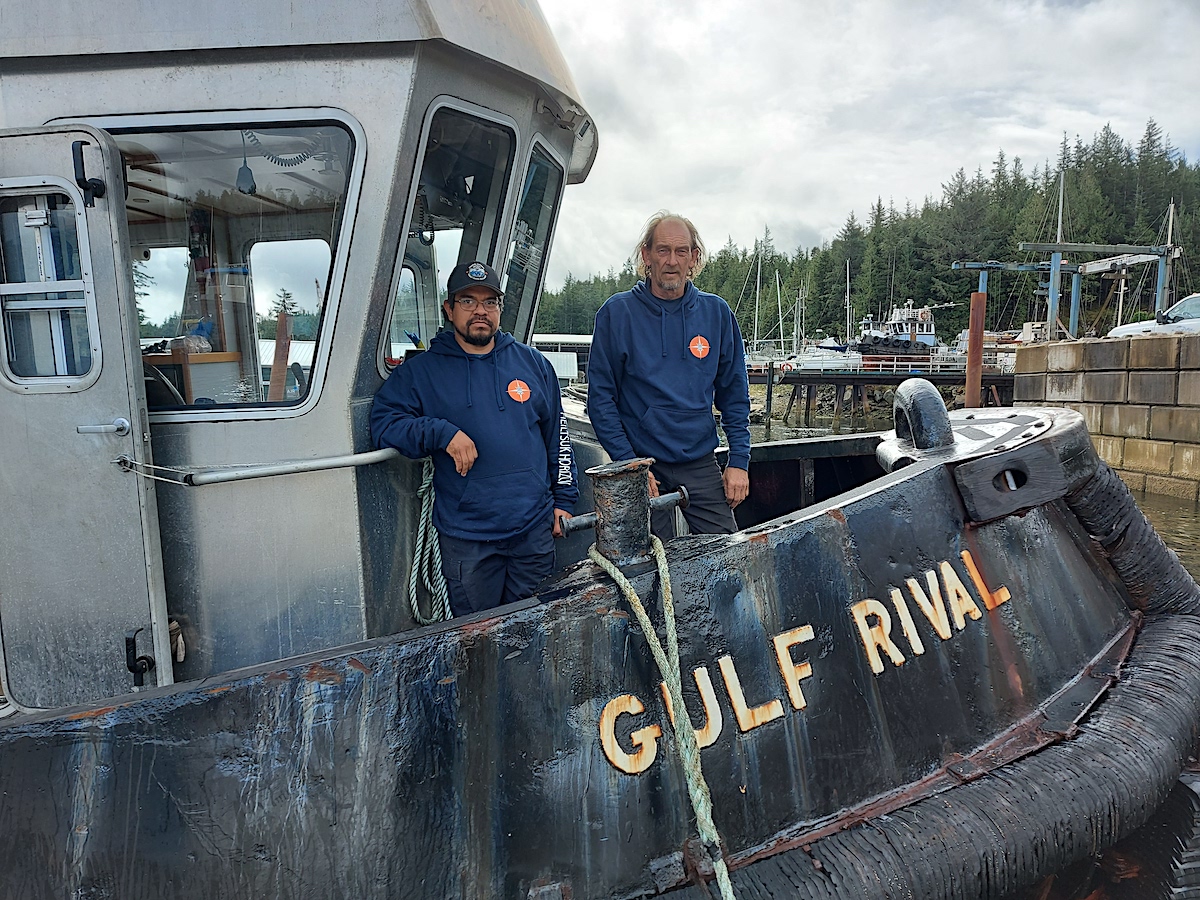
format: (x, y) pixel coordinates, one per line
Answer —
(488, 410)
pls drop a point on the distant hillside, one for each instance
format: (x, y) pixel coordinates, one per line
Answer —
(1115, 193)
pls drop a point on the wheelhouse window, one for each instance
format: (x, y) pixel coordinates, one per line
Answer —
(456, 218)
(234, 229)
(47, 329)
(531, 232)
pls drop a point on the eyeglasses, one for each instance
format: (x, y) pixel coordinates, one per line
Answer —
(489, 304)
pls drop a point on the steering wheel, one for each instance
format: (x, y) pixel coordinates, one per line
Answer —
(157, 376)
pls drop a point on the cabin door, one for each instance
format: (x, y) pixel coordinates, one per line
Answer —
(80, 566)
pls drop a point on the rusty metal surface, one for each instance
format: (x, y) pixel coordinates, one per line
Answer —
(468, 759)
(621, 492)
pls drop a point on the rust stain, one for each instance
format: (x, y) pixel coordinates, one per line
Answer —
(91, 713)
(221, 689)
(448, 680)
(837, 515)
(323, 674)
(761, 537)
(279, 676)
(356, 663)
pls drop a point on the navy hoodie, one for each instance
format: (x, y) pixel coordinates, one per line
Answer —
(655, 370)
(507, 402)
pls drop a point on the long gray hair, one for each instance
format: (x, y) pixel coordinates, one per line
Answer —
(648, 239)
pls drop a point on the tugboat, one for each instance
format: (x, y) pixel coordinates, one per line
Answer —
(944, 661)
(908, 330)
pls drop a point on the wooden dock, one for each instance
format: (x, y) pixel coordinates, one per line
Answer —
(850, 386)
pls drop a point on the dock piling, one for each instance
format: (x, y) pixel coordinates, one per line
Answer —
(975, 349)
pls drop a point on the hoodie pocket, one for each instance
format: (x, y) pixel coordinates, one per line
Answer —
(502, 504)
(678, 435)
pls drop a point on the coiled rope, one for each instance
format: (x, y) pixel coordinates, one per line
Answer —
(668, 665)
(427, 559)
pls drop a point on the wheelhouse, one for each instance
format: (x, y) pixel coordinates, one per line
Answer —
(216, 240)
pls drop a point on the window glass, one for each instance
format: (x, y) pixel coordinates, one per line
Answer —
(456, 218)
(46, 330)
(531, 231)
(234, 230)
(406, 320)
(1187, 308)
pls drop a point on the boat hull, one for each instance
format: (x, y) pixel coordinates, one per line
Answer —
(530, 753)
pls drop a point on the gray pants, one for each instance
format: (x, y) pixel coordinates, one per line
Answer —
(707, 512)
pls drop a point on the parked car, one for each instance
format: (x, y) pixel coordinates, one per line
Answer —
(1183, 316)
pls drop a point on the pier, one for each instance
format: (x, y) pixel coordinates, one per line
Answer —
(850, 384)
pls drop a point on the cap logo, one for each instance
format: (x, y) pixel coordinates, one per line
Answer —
(699, 346)
(476, 271)
(518, 390)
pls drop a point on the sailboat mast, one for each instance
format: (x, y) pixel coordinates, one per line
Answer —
(847, 301)
(1062, 185)
(779, 303)
(757, 291)
(1170, 252)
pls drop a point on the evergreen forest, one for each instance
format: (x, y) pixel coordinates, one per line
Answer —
(1115, 193)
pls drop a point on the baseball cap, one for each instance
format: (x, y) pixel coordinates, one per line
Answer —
(467, 274)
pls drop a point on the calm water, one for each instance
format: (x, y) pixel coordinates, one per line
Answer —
(1178, 524)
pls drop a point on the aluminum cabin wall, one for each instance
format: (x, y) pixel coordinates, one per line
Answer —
(264, 569)
(512, 33)
(387, 493)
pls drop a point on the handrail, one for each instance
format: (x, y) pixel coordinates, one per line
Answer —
(243, 473)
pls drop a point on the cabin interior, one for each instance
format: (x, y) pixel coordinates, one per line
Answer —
(287, 217)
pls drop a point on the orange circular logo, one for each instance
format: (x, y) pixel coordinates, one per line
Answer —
(699, 347)
(518, 390)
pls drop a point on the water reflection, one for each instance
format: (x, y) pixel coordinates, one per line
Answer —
(1178, 524)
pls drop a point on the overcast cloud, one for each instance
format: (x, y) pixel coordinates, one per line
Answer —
(791, 114)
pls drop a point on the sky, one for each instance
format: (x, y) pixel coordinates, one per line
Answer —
(790, 115)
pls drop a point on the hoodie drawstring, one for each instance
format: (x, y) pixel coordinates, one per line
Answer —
(496, 378)
(683, 305)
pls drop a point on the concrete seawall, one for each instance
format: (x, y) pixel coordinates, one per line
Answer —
(1140, 397)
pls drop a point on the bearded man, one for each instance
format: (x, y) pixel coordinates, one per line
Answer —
(662, 355)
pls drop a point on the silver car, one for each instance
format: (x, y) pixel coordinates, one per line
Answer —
(1183, 316)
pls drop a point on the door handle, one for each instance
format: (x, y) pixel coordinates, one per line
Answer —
(118, 426)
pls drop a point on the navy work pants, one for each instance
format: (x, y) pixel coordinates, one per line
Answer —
(708, 512)
(483, 574)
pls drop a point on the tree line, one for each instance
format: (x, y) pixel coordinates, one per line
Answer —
(1115, 193)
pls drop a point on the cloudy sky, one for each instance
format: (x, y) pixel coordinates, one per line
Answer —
(791, 113)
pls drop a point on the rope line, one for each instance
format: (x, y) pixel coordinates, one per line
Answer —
(427, 559)
(668, 666)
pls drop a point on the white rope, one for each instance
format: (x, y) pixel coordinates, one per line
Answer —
(427, 559)
(668, 666)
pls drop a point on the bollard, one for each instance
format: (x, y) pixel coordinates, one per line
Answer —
(621, 492)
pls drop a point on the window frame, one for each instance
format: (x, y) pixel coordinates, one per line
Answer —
(505, 219)
(245, 118)
(538, 142)
(45, 384)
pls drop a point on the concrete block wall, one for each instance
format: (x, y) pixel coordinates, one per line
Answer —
(1140, 398)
